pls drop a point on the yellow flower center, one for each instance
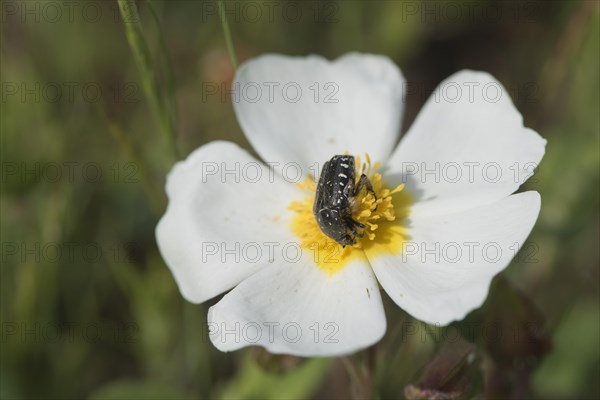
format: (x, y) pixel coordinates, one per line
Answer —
(382, 215)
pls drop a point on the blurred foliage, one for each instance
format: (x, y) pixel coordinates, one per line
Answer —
(254, 381)
(453, 373)
(105, 319)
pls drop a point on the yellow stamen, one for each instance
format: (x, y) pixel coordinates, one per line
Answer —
(383, 216)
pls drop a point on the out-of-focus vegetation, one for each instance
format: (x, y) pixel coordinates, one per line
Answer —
(90, 310)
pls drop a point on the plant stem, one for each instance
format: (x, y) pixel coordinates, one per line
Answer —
(361, 376)
(137, 42)
(171, 104)
(227, 33)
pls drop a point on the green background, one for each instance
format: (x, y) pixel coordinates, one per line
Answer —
(104, 319)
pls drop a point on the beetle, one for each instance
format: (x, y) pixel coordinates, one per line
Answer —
(334, 199)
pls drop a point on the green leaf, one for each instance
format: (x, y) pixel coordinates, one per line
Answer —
(254, 382)
(132, 390)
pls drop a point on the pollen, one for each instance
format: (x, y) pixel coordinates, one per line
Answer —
(383, 214)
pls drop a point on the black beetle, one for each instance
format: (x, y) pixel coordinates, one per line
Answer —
(334, 199)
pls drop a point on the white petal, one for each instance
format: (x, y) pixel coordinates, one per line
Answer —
(357, 107)
(449, 261)
(467, 147)
(224, 208)
(298, 309)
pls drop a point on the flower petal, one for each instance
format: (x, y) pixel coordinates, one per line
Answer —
(297, 308)
(449, 261)
(318, 108)
(224, 210)
(467, 147)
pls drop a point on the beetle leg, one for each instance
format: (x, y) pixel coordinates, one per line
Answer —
(349, 189)
(354, 226)
(366, 183)
(358, 234)
(348, 240)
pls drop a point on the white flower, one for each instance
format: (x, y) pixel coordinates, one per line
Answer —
(434, 247)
